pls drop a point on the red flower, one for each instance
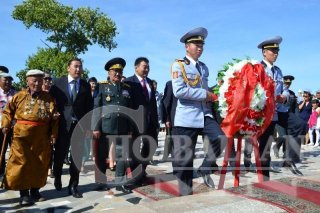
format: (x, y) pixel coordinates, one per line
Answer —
(238, 97)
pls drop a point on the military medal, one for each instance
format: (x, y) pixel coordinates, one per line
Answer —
(108, 98)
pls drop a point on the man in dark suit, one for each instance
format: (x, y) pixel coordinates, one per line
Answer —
(169, 103)
(74, 100)
(143, 94)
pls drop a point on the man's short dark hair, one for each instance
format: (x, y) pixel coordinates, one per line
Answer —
(140, 59)
(74, 59)
(92, 79)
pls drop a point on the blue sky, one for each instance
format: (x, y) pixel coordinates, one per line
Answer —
(153, 28)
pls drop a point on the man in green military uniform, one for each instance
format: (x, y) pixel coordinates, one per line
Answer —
(108, 123)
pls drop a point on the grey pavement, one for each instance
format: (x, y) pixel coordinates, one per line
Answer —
(210, 201)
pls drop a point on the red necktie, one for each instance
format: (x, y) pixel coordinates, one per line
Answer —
(144, 87)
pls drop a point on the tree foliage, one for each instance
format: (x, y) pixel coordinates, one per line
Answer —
(70, 32)
(50, 60)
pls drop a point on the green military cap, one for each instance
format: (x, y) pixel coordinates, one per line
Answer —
(115, 64)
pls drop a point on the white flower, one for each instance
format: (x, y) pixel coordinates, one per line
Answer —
(259, 98)
(229, 74)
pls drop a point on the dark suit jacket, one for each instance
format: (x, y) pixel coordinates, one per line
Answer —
(169, 103)
(139, 98)
(292, 102)
(82, 104)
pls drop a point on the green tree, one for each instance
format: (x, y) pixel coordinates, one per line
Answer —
(70, 31)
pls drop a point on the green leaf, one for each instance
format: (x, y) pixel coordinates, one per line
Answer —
(69, 33)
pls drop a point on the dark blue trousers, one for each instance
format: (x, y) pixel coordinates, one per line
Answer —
(295, 130)
(294, 127)
(184, 140)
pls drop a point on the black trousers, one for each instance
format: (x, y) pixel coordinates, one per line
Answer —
(294, 127)
(122, 155)
(295, 130)
(142, 149)
(168, 144)
(185, 140)
(265, 141)
(281, 139)
(101, 161)
(61, 148)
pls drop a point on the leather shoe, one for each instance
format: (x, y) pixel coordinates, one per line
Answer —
(274, 169)
(36, 196)
(206, 178)
(67, 161)
(57, 183)
(153, 162)
(101, 187)
(123, 189)
(72, 190)
(292, 167)
(25, 201)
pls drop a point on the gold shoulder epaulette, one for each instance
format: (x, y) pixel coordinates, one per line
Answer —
(175, 74)
(126, 85)
(103, 82)
(183, 60)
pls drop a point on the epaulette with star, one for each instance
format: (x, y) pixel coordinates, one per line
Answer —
(126, 85)
(184, 60)
(104, 82)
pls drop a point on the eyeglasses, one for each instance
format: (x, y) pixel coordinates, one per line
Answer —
(305, 96)
(47, 79)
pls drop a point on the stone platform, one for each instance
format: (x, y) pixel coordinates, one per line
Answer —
(285, 192)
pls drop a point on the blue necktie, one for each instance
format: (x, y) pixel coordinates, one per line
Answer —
(74, 90)
(273, 72)
(198, 67)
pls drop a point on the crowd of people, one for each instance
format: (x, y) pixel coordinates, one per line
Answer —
(116, 123)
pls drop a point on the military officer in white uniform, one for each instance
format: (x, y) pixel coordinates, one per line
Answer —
(193, 113)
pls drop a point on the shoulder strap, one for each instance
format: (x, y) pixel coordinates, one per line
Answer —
(184, 75)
